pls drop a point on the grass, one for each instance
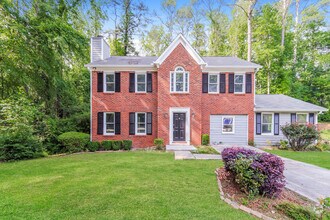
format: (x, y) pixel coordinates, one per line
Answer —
(321, 159)
(325, 135)
(205, 150)
(130, 185)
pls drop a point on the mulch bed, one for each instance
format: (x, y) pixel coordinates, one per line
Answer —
(264, 205)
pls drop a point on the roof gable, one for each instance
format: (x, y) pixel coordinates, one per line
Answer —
(180, 39)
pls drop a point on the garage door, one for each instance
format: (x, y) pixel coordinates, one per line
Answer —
(238, 135)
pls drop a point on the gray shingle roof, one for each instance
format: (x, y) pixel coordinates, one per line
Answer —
(284, 103)
(147, 61)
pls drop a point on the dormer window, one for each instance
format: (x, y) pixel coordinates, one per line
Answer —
(179, 80)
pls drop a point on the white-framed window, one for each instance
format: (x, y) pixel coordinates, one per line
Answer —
(213, 83)
(239, 83)
(109, 123)
(228, 124)
(141, 123)
(267, 123)
(109, 82)
(140, 82)
(302, 118)
(179, 80)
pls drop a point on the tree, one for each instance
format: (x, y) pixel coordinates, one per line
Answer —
(284, 12)
(155, 41)
(199, 39)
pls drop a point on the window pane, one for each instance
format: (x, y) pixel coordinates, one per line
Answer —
(238, 87)
(179, 69)
(238, 78)
(172, 82)
(213, 78)
(266, 118)
(228, 121)
(213, 88)
(110, 118)
(179, 77)
(110, 78)
(266, 128)
(110, 128)
(141, 118)
(110, 87)
(301, 118)
(141, 87)
(141, 78)
(186, 84)
(227, 128)
(179, 87)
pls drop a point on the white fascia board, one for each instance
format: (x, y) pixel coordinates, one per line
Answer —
(180, 39)
(285, 110)
(228, 69)
(122, 68)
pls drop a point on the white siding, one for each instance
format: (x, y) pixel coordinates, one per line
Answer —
(96, 48)
(240, 137)
(266, 140)
(106, 49)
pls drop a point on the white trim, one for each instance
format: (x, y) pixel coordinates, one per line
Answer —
(105, 123)
(218, 83)
(285, 110)
(228, 116)
(91, 107)
(145, 82)
(272, 125)
(185, 83)
(136, 123)
(105, 82)
(180, 110)
(180, 39)
(243, 84)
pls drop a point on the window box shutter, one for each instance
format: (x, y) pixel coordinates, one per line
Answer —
(258, 123)
(100, 123)
(293, 118)
(99, 81)
(117, 122)
(311, 118)
(231, 83)
(149, 82)
(149, 123)
(205, 82)
(222, 83)
(276, 123)
(132, 82)
(132, 123)
(248, 83)
(117, 82)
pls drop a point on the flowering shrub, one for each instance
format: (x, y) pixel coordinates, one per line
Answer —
(255, 173)
(300, 136)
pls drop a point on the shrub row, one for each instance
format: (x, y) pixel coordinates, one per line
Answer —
(255, 173)
(116, 145)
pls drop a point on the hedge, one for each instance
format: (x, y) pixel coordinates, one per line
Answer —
(74, 141)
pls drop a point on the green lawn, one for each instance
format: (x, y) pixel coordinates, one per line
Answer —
(130, 185)
(317, 158)
(325, 135)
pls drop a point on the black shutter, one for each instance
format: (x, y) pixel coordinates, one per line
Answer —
(248, 83)
(99, 81)
(293, 118)
(222, 83)
(205, 80)
(311, 118)
(258, 123)
(149, 82)
(132, 123)
(117, 122)
(231, 83)
(117, 82)
(276, 123)
(132, 82)
(100, 123)
(149, 123)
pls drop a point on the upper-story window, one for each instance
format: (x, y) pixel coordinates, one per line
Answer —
(239, 83)
(213, 83)
(109, 82)
(179, 80)
(141, 82)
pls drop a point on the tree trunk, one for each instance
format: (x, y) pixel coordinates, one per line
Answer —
(295, 41)
(249, 33)
(286, 4)
(268, 82)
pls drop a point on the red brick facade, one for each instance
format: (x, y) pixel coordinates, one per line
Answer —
(159, 102)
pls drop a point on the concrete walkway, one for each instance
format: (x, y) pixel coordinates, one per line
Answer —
(187, 155)
(305, 179)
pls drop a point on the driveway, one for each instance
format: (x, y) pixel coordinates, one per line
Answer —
(308, 180)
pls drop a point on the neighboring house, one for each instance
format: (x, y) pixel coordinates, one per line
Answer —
(180, 95)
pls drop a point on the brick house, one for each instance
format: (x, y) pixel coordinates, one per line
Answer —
(180, 95)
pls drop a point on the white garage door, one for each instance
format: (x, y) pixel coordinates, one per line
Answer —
(239, 135)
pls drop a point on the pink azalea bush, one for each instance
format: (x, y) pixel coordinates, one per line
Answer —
(255, 173)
